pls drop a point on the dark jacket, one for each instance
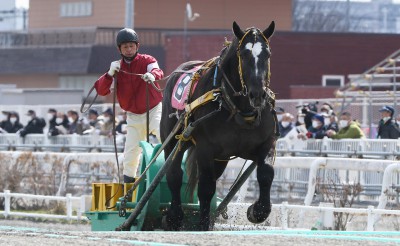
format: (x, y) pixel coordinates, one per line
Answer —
(54, 131)
(12, 128)
(284, 130)
(52, 125)
(316, 133)
(35, 125)
(77, 127)
(388, 130)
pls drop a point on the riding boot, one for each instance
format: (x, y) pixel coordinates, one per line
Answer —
(128, 179)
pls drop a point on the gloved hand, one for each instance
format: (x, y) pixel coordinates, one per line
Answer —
(114, 67)
(148, 77)
(309, 134)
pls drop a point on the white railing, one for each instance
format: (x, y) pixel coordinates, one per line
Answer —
(61, 143)
(325, 210)
(70, 203)
(366, 148)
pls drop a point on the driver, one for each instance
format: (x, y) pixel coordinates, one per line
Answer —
(131, 94)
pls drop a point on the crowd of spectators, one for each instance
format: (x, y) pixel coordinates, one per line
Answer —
(315, 123)
(64, 123)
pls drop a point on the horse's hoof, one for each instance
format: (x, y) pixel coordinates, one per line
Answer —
(171, 225)
(259, 215)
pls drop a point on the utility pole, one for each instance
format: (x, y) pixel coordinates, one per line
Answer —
(129, 13)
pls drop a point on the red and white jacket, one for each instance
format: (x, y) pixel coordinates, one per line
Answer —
(131, 89)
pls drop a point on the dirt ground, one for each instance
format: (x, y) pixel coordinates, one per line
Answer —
(17, 232)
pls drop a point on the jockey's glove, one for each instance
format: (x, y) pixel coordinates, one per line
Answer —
(148, 77)
(114, 67)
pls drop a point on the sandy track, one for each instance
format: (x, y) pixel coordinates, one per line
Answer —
(30, 233)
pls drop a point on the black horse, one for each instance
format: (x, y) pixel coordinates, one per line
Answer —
(239, 121)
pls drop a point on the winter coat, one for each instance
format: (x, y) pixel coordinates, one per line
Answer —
(388, 130)
(353, 130)
(35, 125)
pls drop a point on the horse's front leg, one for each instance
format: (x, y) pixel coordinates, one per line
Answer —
(174, 217)
(259, 211)
(206, 190)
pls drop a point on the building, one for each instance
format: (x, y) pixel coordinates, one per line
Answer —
(71, 43)
(12, 17)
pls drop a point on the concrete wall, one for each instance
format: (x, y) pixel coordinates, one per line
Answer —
(40, 96)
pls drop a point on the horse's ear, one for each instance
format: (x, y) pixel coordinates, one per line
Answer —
(237, 31)
(270, 30)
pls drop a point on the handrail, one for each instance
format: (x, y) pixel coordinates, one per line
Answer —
(68, 199)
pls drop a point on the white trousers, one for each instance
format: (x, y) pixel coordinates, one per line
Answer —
(136, 131)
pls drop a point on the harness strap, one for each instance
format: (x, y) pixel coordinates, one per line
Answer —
(207, 97)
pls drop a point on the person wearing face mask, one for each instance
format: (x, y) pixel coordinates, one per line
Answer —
(330, 121)
(35, 125)
(61, 125)
(3, 120)
(107, 127)
(131, 95)
(12, 125)
(279, 113)
(347, 128)
(76, 125)
(387, 128)
(285, 125)
(316, 130)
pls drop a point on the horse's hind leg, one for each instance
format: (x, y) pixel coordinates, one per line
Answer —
(259, 211)
(174, 217)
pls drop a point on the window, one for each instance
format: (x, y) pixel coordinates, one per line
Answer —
(332, 80)
(76, 9)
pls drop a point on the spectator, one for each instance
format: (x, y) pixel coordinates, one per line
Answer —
(317, 129)
(35, 125)
(330, 122)
(3, 119)
(62, 125)
(121, 127)
(279, 113)
(76, 125)
(387, 128)
(309, 110)
(347, 128)
(285, 126)
(107, 127)
(94, 121)
(12, 125)
(51, 117)
(326, 108)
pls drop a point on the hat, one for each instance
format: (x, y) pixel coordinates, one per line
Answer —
(387, 109)
(279, 110)
(93, 111)
(319, 118)
(108, 111)
(30, 112)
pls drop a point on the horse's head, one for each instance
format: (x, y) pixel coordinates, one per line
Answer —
(253, 53)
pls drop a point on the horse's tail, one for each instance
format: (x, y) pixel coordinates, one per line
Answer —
(191, 171)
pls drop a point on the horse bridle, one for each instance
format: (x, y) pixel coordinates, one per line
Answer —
(249, 117)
